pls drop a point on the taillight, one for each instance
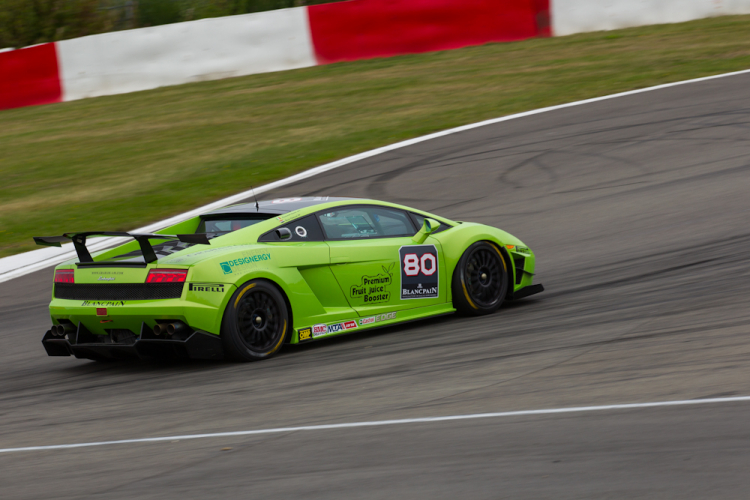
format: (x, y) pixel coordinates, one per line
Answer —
(166, 276)
(64, 276)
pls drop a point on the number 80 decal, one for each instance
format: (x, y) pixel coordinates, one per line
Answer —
(419, 272)
(413, 265)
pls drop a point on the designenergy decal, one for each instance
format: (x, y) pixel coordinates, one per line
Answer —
(229, 266)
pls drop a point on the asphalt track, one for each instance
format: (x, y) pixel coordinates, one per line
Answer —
(637, 208)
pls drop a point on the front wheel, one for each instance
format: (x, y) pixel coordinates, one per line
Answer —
(480, 281)
(255, 323)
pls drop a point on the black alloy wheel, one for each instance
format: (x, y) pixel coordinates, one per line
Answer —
(256, 322)
(480, 281)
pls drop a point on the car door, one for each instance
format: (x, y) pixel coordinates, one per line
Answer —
(300, 245)
(376, 262)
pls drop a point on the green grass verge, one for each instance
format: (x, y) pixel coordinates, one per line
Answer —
(120, 162)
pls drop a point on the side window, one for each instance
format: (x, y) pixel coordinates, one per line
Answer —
(219, 225)
(349, 223)
(419, 220)
(304, 229)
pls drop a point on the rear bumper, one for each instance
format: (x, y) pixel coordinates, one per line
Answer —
(131, 314)
(146, 345)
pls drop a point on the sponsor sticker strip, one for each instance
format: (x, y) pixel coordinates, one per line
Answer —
(321, 329)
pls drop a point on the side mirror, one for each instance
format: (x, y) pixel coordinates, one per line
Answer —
(429, 226)
(284, 233)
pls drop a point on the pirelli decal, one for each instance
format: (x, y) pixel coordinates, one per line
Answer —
(206, 287)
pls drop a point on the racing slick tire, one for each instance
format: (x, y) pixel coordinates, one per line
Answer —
(256, 322)
(480, 280)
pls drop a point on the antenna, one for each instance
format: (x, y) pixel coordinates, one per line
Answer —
(257, 207)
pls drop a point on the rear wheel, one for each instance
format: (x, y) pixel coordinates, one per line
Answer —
(255, 323)
(480, 281)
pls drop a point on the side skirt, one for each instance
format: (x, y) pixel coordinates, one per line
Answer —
(371, 322)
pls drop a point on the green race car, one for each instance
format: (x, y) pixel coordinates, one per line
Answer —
(241, 281)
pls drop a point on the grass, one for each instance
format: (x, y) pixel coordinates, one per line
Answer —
(120, 162)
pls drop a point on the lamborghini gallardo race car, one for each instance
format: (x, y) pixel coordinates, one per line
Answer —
(241, 281)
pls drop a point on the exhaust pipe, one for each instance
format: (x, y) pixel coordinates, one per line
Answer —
(169, 328)
(175, 327)
(61, 329)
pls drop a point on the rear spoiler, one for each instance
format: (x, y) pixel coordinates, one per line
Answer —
(79, 241)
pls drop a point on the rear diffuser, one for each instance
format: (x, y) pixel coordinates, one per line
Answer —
(83, 344)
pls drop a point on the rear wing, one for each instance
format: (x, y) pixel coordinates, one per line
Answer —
(79, 242)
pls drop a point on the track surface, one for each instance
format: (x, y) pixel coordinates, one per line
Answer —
(637, 209)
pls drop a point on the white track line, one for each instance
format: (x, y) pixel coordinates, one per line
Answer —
(26, 263)
(379, 423)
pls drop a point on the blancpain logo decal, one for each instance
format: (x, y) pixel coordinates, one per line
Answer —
(417, 292)
(100, 303)
(104, 278)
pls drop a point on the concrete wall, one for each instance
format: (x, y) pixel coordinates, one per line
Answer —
(577, 16)
(208, 49)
